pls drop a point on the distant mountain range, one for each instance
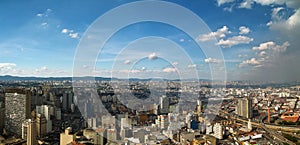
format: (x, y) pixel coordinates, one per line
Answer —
(18, 78)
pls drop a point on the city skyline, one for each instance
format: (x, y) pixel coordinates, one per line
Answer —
(258, 39)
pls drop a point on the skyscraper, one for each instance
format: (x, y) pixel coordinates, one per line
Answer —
(29, 132)
(244, 108)
(199, 106)
(17, 109)
(41, 124)
(45, 110)
(218, 131)
(164, 105)
(67, 100)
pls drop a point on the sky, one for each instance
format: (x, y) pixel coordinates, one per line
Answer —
(234, 39)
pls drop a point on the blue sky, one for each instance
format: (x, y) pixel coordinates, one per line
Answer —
(257, 38)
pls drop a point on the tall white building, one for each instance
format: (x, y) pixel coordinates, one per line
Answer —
(218, 131)
(164, 104)
(244, 108)
(45, 110)
(17, 109)
(29, 132)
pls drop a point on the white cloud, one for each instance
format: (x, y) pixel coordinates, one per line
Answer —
(244, 30)
(192, 66)
(169, 69)
(127, 62)
(41, 69)
(221, 2)
(39, 15)
(65, 31)
(269, 23)
(74, 35)
(70, 33)
(152, 56)
(211, 60)
(251, 62)
(220, 33)
(289, 3)
(175, 63)
(269, 2)
(278, 13)
(44, 68)
(2, 65)
(44, 24)
(266, 53)
(294, 20)
(272, 46)
(235, 40)
(262, 54)
(247, 4)
(45, 13)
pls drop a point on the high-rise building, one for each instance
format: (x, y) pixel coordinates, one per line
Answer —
(2, 108)
(218, 131)
(111, 134)
(249, 125)
(244, 108)
(29, 132)
(41, 124)
(199, 106)
(17, 109)
(67, 100)
(45, 110)
(164, 105)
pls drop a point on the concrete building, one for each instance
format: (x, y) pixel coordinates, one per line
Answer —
(29, 132)
(45, 110)
(67, 137)
(111, 135)
(17, 109)
(67, 100)
(218, 131)
(164, 105)
(244, 108)
(41, 124)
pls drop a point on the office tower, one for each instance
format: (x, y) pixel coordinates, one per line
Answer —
(126, 132)
(2, 108)
(67, 100)
(269, 115)
(111, 134)
(155, 108)
(41, 124)
(67, 137)
(58, 113)
(88, 109)
(108, 121)
(218, 131)
(45, 110)
(199, 106)
(164, 105)
(29, 132)
(17, 109)
(209, 129)
(249, 125)
(244, 108)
